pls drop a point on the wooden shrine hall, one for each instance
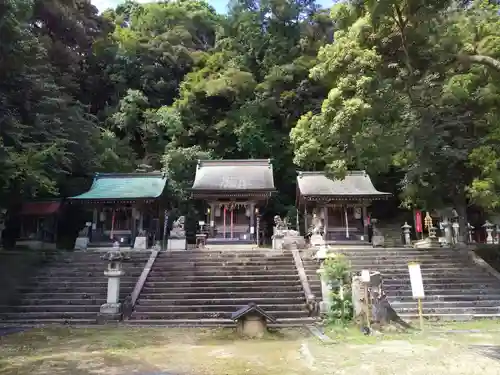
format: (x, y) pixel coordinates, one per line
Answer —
(234, 191)
(122, 205)
(341, 205)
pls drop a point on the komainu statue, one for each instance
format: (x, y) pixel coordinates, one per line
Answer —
(178, 228)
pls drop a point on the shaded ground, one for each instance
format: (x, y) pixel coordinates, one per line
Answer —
(159, 351)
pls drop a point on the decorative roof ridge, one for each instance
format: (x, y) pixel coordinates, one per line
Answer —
(322, 173)
(239, 162)
(129, 175)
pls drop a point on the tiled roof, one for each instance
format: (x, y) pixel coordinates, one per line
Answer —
(234, 175)
(355, 184)
(109, 186)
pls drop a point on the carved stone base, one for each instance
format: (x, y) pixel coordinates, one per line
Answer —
(141, 243)
(110, 312)
(177, 244)
(317, 240)
(81, 243)
(278, 242)
(427, 243)
(378, 241)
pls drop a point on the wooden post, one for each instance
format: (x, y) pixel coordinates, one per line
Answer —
(232, 218)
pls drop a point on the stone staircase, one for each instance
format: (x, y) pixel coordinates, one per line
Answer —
(69, 290)
(203, 288)
(455, 287)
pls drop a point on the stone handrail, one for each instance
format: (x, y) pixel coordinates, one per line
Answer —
(302, 275)
(142, 280)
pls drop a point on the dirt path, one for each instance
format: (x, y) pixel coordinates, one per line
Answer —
(146, 351)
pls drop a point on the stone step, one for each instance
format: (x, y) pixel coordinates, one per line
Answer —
(248, 289)
(72, 295)
(446, 317)
(429, 280)
(438, 289)
(234, 278)
(206, 309)
(155, 315)
(61, 301)
(58, 289)
(282, 322)
(30, 322)
(450, 310)
(221, 273)
(35, 315)
(222, 283)
(83, 274)
(70, 309)
(397, 304)
(238, 300)
(449, 297)
(444, 295)
(226, 268)
(175, 265)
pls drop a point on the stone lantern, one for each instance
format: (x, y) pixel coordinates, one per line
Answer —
(406, 232)
(111, 310)
(489, 230)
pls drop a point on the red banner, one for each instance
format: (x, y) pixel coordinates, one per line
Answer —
(418, 221)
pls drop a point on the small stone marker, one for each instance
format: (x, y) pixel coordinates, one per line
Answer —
(252, 320)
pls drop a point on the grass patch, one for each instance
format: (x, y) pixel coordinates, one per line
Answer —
(125, 350)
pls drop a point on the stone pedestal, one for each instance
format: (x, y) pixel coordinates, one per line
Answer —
(141, 243)
(378, 240)
(278, 241)
(322, 253)
(326, 303)
(81, 243)
(176, 244)
(111, 310)
(317, 240)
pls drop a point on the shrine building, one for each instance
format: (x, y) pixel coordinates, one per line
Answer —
(121, 205)
(340, 204)
(233, 192)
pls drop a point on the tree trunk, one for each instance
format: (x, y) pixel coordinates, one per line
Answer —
(482, 60)
(461, 207)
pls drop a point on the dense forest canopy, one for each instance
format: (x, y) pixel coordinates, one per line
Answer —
(408, 90)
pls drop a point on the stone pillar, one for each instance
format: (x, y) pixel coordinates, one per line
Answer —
(326, 302)
(325, 222)
(111, 310)
(364, 213)
(456, 232)
(95, 219)
(306, 228)
(470, 232)
(447, 232)
(252, 220)
(212, 216)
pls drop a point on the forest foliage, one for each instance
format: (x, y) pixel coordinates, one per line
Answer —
(406, 89)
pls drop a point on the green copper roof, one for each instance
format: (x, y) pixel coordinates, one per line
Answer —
(124, 186)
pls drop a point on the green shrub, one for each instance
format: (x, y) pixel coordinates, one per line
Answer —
(337, 271)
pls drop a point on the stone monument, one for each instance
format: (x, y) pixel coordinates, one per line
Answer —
(317, 231)
(284, 238)
(82, 241)
(177, 238)
(378, 239)
(111, 310)
(141, 241)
